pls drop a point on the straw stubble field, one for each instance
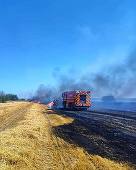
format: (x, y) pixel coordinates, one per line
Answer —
(28, 141)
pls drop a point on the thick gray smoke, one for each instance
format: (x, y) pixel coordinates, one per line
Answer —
(118, 80)
(45, 94)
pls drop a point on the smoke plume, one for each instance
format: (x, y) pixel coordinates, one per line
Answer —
(119, 81)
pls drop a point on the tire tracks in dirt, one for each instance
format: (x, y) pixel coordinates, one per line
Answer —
(14, 116)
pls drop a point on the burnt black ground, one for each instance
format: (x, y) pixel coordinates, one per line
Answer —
(109, 136)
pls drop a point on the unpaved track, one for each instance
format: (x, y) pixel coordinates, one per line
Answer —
(33, 138)
(11, 115)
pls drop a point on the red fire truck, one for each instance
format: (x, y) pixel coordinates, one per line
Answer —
(78, 100)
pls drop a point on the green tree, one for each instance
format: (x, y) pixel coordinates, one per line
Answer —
(7, 97)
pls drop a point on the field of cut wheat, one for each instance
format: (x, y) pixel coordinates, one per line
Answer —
(29, 139)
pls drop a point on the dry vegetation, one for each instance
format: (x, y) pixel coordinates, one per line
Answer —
(27, 142)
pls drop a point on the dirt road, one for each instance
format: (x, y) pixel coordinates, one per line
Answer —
(10, 113)
(34, 138)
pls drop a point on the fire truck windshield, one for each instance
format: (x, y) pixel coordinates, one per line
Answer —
(83, 98)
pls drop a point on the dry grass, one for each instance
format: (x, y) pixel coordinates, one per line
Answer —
(29, 143)
(24, 146)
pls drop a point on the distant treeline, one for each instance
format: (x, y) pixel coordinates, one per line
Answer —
(7, 97)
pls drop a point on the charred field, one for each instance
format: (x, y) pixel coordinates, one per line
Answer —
(107, 133)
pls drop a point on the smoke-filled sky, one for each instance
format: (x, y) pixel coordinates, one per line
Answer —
(56, 42)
